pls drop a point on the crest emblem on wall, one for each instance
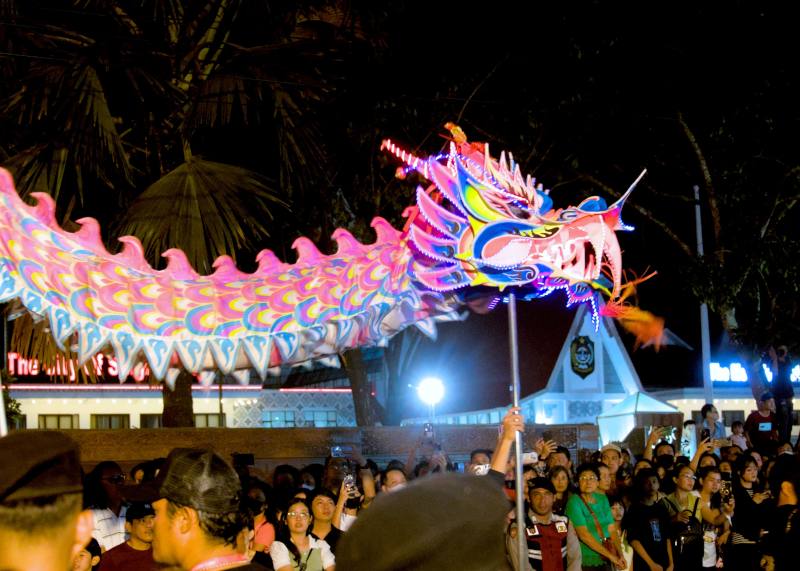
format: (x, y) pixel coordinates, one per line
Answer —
(581, 356)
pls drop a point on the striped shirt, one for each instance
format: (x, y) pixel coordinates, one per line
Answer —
(109, 529)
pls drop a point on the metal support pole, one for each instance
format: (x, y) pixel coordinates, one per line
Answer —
(3, 420)
(522, 546)
(705, 340)
(222, 422)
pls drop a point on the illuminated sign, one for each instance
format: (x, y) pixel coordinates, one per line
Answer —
(736, 373)
(104, 366)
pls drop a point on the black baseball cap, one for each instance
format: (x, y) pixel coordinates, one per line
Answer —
(38, 464)
(138, 510)
(192, 477)
(766, 396)
(543, 483)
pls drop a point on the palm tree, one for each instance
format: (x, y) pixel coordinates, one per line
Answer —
(210, 106)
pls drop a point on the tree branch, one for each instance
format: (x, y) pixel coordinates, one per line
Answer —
(645, 212)
(716, 217)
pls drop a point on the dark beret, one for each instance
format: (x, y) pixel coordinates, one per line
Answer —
(38, 464)
(448, 521)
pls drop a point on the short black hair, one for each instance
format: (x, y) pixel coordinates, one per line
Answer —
(480, 451)
(706, 409)
(588, 467)
(563, 450)
(736, 423)
(220, 527)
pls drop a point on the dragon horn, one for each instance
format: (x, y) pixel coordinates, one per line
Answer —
(618, 204)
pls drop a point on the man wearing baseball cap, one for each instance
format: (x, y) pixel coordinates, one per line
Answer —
(196, 499)
(135, 554)
(552, 542)
(41, 493)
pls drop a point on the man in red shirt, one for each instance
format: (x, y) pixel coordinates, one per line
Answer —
(136, 554)
(761, 426)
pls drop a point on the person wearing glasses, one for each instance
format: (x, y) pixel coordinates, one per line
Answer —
(104, 497)
(685, 509)
(590, 513)
(296, 549)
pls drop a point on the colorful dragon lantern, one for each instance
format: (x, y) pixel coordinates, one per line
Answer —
(479, 225)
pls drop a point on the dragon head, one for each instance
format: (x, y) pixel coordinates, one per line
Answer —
(488, 225)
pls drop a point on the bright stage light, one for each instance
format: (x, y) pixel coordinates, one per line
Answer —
(430, 390)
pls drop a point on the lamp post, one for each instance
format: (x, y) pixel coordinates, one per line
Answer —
(430, 390)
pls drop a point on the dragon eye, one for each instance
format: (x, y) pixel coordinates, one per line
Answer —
(519, 212)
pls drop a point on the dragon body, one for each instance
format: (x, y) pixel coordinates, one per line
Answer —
(478, 224)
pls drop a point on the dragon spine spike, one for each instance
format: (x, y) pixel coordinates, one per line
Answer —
(132, 253)
(45, 209)
(307, 252)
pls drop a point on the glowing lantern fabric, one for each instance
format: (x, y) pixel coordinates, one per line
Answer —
(486, 227)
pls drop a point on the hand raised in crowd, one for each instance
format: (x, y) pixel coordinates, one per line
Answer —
(705, 445)
(513, 422)
(728, 506)
(620, 563)
(545, 447)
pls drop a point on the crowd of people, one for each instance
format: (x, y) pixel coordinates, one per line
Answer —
(731, 503)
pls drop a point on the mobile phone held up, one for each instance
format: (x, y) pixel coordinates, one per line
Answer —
(428, 431)
(341, 451)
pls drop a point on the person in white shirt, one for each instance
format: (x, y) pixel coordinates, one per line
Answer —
(295, 548)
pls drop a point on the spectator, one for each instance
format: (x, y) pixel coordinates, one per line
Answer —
(552, 542)
(618, 511)
(323, 504)
(311, 476)
(135, 554)
(103, 495)
(562, 483)
(196, 499)
(394, 479)
(42, 526)
(88, 558)
(479, 457)
(647, 525)
(590, 513)
(716, 515)
(560, 456)
(611, 456)
(761, 425)
(263, 529)
(748, 517)
(604, 483)
(711, 427)
(683, 507)
(296, 549)
(780, 547)
(737, 434)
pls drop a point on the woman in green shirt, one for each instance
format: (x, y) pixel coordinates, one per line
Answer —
(590, 514)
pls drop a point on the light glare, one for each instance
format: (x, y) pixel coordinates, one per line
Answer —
(430, 390)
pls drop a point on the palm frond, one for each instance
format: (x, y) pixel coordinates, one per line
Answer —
(205, 208)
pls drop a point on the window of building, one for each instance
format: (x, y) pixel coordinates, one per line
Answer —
(58, 421)
(278, 419)
(729, 416)
(319, 418)
(208, 420)
(150, 421)
(110, 421)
